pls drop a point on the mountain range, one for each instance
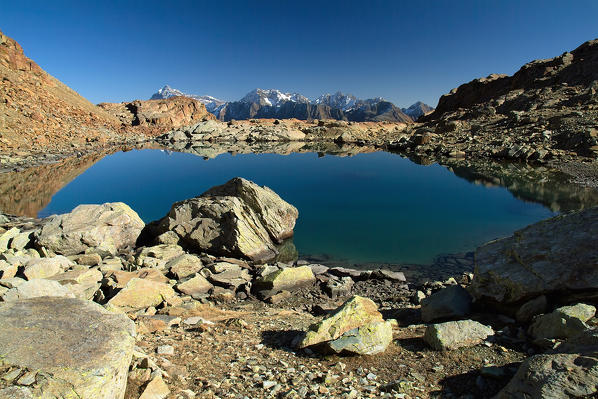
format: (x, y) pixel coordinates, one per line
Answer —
(272, 103)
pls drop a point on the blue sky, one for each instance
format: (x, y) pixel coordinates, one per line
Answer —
(402, 51)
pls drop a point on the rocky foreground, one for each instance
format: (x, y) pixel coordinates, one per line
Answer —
(208, 302)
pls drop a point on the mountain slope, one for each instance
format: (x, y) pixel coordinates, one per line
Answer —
(38, 110)
(418, 109)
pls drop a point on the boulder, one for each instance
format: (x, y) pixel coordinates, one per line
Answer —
(106, 228)
(531, 308)
(369, 339)
(450, 302)
(158, 255)
(155, 389)
(86, 355)
(37, 288)
(184, 266)
(336, 288)
(558, 376)
(46, 267)
(237, 219)
(6, 237)
(456, 334)
(354, 313)
(195, 286)
(555, 256)
(288, 278)
(122, 277)
(140, 294)
(564, 322)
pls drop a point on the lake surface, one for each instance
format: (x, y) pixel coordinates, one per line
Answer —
(370, 207)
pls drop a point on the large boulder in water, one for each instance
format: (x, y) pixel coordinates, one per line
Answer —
(237, 219)
(73, 348)
(554, 256)
(106, 228)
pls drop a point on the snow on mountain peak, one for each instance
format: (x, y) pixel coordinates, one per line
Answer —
(272, 97)
(212, 104)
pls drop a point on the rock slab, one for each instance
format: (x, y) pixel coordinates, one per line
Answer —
(82, 350)
(456, 334)
(554, 256)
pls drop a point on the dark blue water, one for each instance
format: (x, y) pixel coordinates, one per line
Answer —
(375, 207)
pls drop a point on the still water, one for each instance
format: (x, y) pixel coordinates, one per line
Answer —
(371, 207)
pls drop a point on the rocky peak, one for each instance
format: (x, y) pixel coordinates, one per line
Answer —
(272, 97)
(417, 109)
(576, 68)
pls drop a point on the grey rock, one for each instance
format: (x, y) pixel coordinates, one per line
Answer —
(237, 219)
(37, 288)
(456, 334)
(368, 339)
(531, 308)
(565, 322)
(46, 267)
(336, 288)
(107, 228)
(87, 354)
(538, 260)
(450, 302)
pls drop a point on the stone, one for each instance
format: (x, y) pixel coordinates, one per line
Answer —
(46, 267)
(37, 288)
(184, 266)
(87, 354)
(7, 270)
(6, 237)
(564, 322)
(80, 276)
(165, 350)
(289, 278)
(21, 240)
(336, 288)
(122, 277)
(354, 313)
(195, 286)
(237, 219)
(232, 277)
(531, 308)
(158, 255)
(140, 294)
(450, 302)
(369, 339)
(107, 228)
(384, 274)
(537, 260)
(16, 393)
(156, 389)
(456, 334)
(561, 375)
(91, 259)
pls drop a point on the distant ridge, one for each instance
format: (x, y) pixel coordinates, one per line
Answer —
(273, 103)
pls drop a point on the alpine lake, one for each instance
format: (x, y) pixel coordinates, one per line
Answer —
(358, 207)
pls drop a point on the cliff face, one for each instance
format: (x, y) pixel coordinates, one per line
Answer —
(37, 110)
(571, 70)
(158, 116)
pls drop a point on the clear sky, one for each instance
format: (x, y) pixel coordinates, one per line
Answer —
(402, 51)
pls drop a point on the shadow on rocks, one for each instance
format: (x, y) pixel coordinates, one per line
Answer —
(404, 316)
(481, 383)
(286, 340)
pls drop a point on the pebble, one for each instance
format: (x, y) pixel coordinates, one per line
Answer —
(165, 350)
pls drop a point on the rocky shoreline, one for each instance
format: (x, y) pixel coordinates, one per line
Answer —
(217, 315)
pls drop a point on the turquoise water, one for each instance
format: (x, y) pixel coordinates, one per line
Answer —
(375, 207)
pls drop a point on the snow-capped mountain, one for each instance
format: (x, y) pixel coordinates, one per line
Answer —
(418, 109)
(272, 103)
(272, 97)
(213, 105)
(337, 100)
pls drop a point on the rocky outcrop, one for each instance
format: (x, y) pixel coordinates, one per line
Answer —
(158, 116)
(36, 110)
(73, 348)
(553, 257)
(106, 228)
(547, 110)
(578, 67)
(238, 218)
